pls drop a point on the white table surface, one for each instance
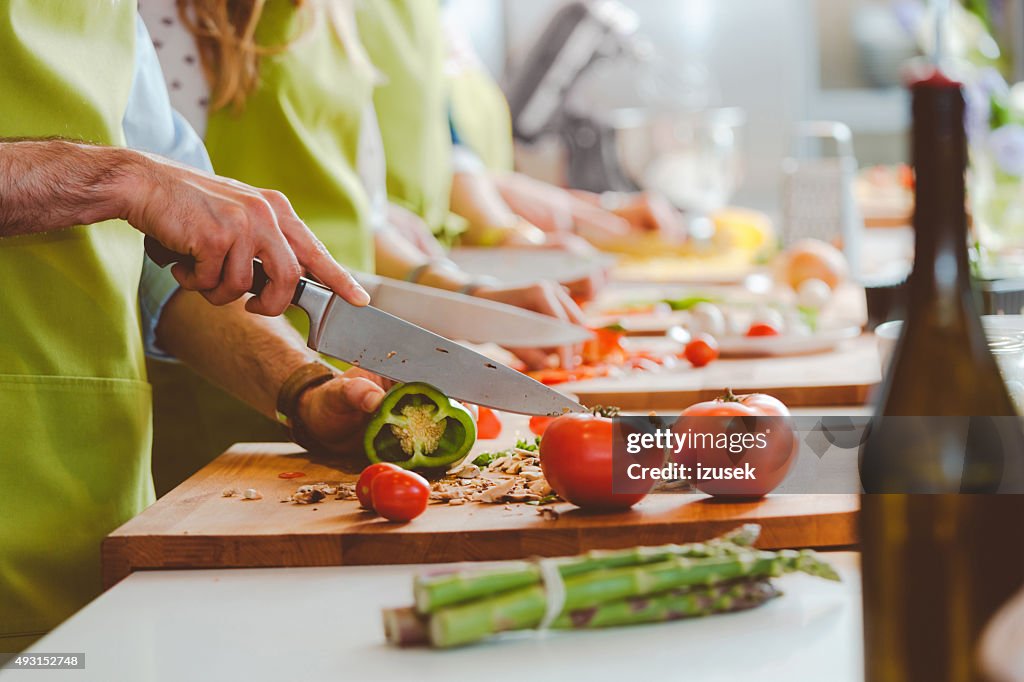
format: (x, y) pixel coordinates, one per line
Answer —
(324, 624)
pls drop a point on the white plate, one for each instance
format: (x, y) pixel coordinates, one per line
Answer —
(523, 266)
(787, 344)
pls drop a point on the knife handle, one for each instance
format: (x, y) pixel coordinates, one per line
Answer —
(163, 257)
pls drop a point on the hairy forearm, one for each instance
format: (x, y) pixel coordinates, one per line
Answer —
(250, 356)
(49, 185)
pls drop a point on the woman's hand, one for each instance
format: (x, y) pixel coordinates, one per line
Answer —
(415, 231)
(546, 298)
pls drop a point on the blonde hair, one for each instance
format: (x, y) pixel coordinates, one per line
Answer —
(224, 31)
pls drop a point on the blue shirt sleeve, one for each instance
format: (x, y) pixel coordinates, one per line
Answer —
(152, 125)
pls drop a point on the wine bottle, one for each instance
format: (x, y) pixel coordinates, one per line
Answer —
(941, 550)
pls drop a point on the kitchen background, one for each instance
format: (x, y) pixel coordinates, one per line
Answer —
(781, 61)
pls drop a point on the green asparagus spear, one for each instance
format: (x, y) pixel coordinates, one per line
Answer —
(697, 601)
(404, 627)
(436, 591)
(524, 607)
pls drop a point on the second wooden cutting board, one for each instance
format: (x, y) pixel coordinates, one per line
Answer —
(845, 376)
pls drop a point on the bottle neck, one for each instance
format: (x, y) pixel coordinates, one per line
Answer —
(939, 147)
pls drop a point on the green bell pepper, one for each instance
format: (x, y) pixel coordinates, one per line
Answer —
(418, 427)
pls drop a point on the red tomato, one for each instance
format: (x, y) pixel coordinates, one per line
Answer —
(552, 376)
(399, 495)
(729, 428)
(538, 424)
(606, 346)
(701, 350)
(576, 456)
(762, 329)
(366, 479)
(488, 424)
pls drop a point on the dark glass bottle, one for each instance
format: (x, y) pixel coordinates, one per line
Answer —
(941, 551)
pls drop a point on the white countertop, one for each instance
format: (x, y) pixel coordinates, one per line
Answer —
(291, 624)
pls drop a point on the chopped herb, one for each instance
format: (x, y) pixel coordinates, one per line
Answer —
(809, 316)
(687, 302)
(485, 458)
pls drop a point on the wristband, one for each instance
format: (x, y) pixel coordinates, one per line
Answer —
(477, 283)
(416, 274)
(308, 376)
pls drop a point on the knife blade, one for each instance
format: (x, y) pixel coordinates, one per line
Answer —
(383, 344)
(457, 316)
(386, 345)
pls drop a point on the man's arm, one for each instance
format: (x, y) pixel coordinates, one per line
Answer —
(47, 185)
(251, 357)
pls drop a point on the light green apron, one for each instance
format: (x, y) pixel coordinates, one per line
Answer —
(298, 133)
(481, 116)
(405, 42)
(74, 402)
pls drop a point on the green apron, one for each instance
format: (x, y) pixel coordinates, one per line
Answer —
(298, 133)
(74, 403)
(405, 42)
(481, 116)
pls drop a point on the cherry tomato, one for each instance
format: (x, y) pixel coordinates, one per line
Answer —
(701, 350)
(576, 457)
(606, 346)
(366, 479)
(552, 376)
(762, 329)
(399, 495)
(539, 424)
(736, 417)
(488, 424)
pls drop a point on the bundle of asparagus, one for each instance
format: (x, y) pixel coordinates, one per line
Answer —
(599, 589)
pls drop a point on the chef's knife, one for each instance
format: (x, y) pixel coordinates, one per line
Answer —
(386, 345)
(457, 316)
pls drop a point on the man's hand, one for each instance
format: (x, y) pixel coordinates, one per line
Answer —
(49, 185)
(335, 413)
(223, 224)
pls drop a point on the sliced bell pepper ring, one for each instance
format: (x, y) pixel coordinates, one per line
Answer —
(419, 427)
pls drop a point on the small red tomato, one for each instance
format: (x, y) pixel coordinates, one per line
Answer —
(488, 424)
(701, 350)
(399, 495)
(539, 424)
(762, 329)
(366, 479)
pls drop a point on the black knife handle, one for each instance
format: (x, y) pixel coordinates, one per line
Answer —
(163, 257)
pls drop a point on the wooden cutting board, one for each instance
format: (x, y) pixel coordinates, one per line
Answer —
(195, 526)
(845, 376)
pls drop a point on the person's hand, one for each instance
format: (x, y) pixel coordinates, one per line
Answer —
(546, 298)
(556, 210)
(415, 231)
(643, 211)
(335, 413)
(582, 288)
(223, 224)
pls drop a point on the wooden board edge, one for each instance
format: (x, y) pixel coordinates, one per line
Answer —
(801, 396)
(125, 554)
